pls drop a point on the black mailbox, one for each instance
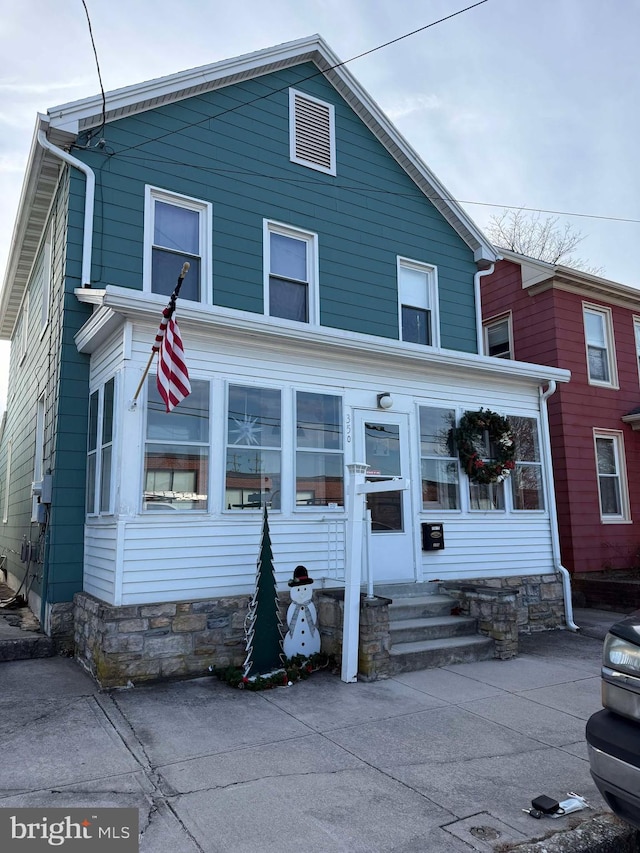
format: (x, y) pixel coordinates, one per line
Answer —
(432, 536)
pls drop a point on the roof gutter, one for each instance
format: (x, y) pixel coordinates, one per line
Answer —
(553, 510)
(90, 190)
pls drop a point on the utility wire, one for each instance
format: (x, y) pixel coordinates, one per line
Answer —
(95, 53)
(305, 79)
(362, 188)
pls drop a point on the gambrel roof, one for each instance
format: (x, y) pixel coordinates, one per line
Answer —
(63, 123)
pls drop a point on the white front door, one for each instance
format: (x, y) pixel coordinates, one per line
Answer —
(382, 441)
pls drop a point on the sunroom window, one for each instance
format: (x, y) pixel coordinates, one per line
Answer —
(526, 478)
(176, 464)
(253, 448)
(319, 456)
(438, 459)
(100, 449)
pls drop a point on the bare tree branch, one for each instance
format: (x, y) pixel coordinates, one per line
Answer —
(542, 238)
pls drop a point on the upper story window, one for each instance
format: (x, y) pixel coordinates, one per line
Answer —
(312, 140)
(177, 230)
(100, 450)
(612, 479)
(418, 303)
(176, 459)
(598, 332)
(498, 337)
(291, 273)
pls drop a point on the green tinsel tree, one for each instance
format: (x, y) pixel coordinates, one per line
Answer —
(264, 628)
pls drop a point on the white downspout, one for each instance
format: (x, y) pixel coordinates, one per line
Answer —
(90, 189)
(553, 510)
(478, 298)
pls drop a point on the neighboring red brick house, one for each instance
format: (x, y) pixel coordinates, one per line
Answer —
(539, 312)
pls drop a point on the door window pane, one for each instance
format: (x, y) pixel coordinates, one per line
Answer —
(382, 450)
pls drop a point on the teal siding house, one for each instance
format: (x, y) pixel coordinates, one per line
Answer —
(330, 316)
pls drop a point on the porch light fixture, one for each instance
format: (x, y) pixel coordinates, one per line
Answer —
(385, 400)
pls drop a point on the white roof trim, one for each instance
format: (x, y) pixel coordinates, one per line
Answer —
(147, 308)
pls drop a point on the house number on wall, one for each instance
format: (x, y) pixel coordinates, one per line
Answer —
(348, 431)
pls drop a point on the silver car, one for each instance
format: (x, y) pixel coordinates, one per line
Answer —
(613, 734)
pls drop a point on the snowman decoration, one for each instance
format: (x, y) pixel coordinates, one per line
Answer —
(303, 636)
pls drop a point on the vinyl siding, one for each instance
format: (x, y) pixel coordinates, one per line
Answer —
(239, 161)
(548, 329)
(171, 556)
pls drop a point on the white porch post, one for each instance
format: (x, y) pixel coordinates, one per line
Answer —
(353, 571)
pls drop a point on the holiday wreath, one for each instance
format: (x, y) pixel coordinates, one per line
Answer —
(469, 437)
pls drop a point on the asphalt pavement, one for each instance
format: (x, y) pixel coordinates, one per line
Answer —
(436, 761)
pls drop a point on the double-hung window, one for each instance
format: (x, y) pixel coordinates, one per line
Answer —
(291, 273)
(176, 460)
(498, 340)
(438, 459)
(612, 480)
(418, 303)
(177, 230)
(254, 443)
(598, 332)
(100, 450)
(319, 454)
(526, 478)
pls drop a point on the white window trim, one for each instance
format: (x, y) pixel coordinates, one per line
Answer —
(618, 443)
(494, 321)
(97, 486)
(7, 483)
(47, 273)
(636, 336)
(432, 284)
(606, 314)
(313, 268)
(205, 209)
(38, 461)
(292, 133)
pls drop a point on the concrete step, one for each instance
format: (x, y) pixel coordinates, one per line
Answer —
(26, 648)
(420, 607)
(430, 654)
(431, 628)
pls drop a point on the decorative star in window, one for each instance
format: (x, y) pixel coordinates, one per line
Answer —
(247, 430)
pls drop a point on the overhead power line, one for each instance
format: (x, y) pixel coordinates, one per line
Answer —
(305, 79)
(95, 53)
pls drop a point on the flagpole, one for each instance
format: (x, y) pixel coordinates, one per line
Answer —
(171, 307)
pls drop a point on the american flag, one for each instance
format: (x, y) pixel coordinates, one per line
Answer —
(173, 376)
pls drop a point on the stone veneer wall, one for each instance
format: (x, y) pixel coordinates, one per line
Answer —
(147, 642)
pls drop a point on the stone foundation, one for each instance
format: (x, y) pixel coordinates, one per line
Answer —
(182, 639)
(148, 642)
(619, 591)
(508, 607)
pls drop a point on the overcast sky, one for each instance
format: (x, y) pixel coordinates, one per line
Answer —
(531, 103)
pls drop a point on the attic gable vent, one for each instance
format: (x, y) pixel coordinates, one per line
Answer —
(312, 132)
